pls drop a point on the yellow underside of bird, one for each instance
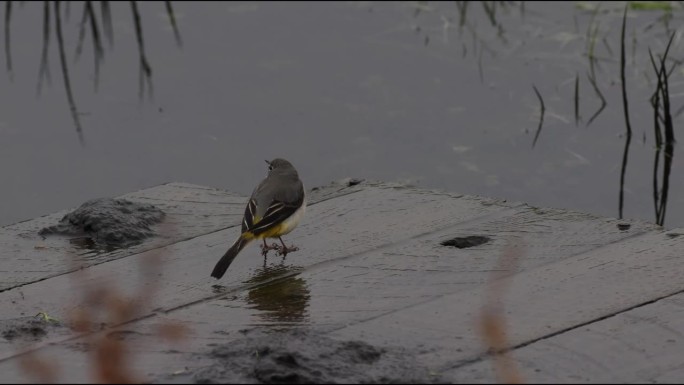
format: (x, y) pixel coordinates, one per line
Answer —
(278, 230)
(274, 232)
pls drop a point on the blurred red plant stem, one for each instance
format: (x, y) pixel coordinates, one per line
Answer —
(492, 322)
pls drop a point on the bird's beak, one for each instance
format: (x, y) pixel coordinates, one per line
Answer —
(267, 162)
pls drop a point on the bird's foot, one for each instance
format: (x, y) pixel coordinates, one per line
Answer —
(283, 250)
(265, 248)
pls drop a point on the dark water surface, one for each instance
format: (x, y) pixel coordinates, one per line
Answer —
(390, 91)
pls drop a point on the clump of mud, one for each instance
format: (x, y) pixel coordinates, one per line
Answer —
(27, 329)
(109, 222)
(465, 242)
(305, 357)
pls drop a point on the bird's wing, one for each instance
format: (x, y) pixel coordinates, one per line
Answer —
(250, 215)
(276, 213)
(274, 207)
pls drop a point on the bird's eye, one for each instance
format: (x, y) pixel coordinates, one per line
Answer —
(270, 167)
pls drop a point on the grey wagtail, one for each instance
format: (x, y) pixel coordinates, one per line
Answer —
(275, 208)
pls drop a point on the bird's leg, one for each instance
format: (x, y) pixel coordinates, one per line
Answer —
(264, 249)
(284, 250)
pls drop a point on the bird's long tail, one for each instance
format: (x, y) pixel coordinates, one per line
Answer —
(228, 257)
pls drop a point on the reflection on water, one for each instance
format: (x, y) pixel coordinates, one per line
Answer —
(282, 298)
(89, 22)
(406, 83)
(628, 124)
(664, 131)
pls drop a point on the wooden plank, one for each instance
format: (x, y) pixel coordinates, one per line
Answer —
(641, 345)
(191, 211)
(539, 302)
(367, 259)
(180, 272)
(368, 285)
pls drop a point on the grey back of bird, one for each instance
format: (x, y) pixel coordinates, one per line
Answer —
(282, 184)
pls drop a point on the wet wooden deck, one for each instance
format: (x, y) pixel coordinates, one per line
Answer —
(585, 299)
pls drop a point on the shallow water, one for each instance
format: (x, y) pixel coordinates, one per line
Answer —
(397, 92)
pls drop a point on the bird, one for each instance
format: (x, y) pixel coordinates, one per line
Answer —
(274, 209)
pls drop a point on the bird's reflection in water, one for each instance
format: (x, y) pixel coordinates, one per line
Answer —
(280, 295)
